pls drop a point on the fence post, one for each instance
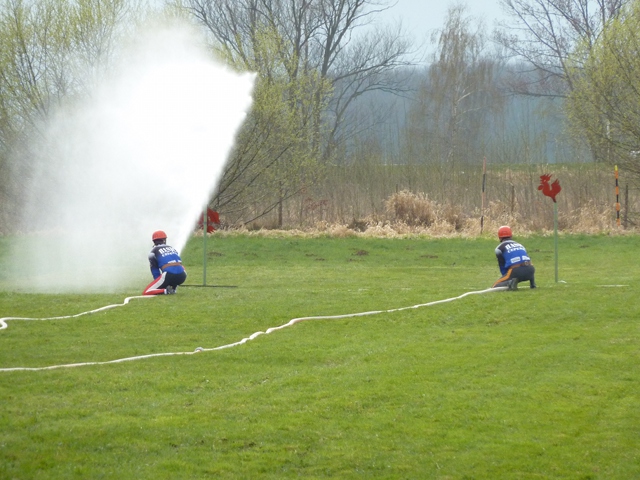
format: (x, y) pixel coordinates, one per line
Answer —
(617, 197)
(626, 206)
(484, 183)
(513, 198)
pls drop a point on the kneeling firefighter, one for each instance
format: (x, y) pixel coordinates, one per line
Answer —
(166, 267)
(513, 261)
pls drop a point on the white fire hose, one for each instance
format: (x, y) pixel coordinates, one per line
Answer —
(291, 322)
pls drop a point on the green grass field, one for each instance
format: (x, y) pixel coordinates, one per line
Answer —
(507, 385)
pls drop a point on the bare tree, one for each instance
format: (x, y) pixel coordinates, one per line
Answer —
(317, 52)
(461, 80)
(544, 34)
(326, 36)
(317, 35)
(367, 66)
(605, 103)
(458, 92)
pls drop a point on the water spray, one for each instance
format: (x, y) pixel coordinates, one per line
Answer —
(142, 151)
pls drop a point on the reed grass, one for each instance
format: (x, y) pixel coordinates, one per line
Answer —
(361, 197)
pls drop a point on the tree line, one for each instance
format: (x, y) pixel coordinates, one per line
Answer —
(558, 81)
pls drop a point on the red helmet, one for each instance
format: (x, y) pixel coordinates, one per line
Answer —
(504, 231)
(159, 235)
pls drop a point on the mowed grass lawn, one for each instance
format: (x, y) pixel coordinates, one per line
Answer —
(527, 385)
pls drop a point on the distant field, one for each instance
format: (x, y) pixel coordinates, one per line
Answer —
(527, 385)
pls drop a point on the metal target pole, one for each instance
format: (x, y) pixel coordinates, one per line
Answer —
(617, 198)
(555, 235)
(484, 181)
(205, 227)
(551, 190)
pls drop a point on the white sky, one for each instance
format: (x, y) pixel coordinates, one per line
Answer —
(421, 17)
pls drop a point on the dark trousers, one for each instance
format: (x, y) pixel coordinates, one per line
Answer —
(521, 273)
(163, 281)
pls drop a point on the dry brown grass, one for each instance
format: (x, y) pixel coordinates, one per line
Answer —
(413, 209)
(587, 220)
(386, 204)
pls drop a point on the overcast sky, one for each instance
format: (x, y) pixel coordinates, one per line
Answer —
(421, 17)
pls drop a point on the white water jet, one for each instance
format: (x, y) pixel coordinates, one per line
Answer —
(142, 153)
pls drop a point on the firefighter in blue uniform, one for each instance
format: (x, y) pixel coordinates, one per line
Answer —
(166, 267)
(514, 262)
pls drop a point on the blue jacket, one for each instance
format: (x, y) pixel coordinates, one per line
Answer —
(510, 253)
(164, 258)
